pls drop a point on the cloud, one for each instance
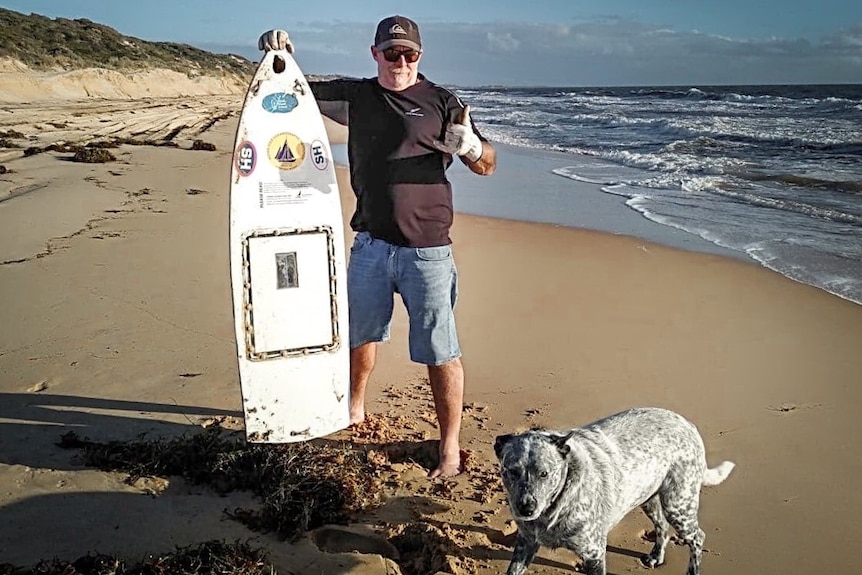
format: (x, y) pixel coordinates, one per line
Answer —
(502, 42)
(597, 53)
(849, 39)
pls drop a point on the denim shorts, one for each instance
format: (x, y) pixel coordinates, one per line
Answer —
(427, 280)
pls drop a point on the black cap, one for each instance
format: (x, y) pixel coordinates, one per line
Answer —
(397, 31)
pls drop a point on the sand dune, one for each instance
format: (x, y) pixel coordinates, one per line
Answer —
(19, 84)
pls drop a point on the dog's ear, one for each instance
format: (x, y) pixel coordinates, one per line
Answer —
(562, 443)
(500, 442)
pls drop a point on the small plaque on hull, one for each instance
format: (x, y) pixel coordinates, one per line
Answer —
(290, 293)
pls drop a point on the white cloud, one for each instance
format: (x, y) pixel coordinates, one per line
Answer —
(846, 39)
(600, 52)
(504, 42)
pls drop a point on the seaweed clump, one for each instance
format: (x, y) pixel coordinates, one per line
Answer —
(208, 558)
(201, 145)
(93, 156)
(301, 486)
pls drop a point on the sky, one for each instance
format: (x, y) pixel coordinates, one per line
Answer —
(522, 43)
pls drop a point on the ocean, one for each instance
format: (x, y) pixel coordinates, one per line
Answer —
(771, 172)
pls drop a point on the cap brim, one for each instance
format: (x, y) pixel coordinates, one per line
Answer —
(399, 42)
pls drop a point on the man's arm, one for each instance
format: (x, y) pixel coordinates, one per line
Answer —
(463, 140)
(487, 162)
(336, 90)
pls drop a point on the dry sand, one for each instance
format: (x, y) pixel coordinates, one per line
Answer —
(117, 321)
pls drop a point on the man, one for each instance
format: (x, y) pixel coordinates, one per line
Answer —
(403, 132)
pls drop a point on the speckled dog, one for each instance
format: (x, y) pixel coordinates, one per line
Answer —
(570, 488)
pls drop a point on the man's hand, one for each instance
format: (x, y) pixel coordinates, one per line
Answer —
(461, 140)
(274, 40)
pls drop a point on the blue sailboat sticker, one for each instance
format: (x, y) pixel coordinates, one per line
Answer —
(285, 154)
(286, 151)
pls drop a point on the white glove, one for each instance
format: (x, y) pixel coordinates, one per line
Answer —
(461, 140)
(274, 40)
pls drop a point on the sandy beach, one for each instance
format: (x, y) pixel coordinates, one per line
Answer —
(117, 322)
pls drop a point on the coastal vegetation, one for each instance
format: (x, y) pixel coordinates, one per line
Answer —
(44, 43)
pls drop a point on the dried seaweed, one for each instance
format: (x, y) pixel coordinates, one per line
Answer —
(201, 145)
(93, 156)
(301, 486)
(208, 558)
(96, 152)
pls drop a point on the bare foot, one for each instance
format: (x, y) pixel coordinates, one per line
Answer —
(357, 417)
(449, 466)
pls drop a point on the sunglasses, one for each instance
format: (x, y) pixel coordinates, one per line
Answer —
(393, 55)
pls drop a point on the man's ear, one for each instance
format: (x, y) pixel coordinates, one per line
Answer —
(500, 442)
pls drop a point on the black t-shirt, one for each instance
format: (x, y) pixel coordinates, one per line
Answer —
(399, 178)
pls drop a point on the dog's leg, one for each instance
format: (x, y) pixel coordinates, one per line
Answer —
(595, 565)
(592, 554)
(522, 556)
(680, 508)
(694, 539)
(652, 508)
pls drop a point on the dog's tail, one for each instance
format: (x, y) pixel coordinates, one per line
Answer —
(719, 473)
